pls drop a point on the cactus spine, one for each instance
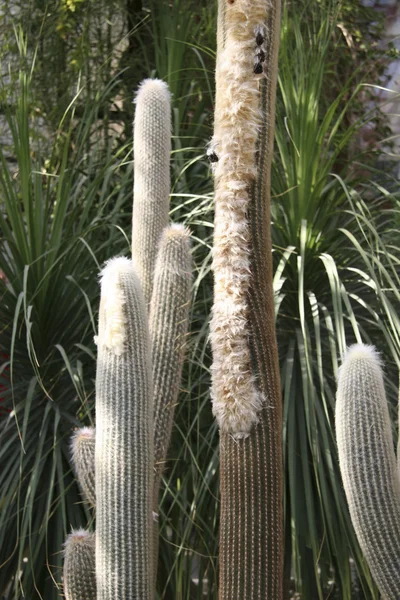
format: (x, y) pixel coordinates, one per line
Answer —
(141, 338)
(368, 465)
(245, 372)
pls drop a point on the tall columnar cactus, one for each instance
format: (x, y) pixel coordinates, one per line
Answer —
(169, 305)
(245, 371)
(124, 437)
(152, 148)
(368, 465)
(143, 322)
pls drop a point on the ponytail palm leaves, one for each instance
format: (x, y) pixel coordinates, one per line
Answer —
(327, 296)
(55, 205)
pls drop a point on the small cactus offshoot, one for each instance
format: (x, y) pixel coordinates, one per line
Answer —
(80, 566)
(83, 446)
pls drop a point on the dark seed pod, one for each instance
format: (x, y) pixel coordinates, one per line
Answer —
(259, 38)
(258, 68)
(260, 55)
(212, 157)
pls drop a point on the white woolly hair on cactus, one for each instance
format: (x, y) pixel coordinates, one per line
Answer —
(80, 536)
(149, 85)
(79, 435)
(179, 232)
(83, 432)
(112, 319)
(363, 352)
(237, 402)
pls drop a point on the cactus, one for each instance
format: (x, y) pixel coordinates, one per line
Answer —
(79, 565)
(245, 371)
(368, 464)
(152, 148)
(143, 322)
(168, 319)
(124, 437)
(83, 448)
(168, 313)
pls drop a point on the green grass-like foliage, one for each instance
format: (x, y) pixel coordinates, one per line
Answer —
(57, 204)
(330, 292)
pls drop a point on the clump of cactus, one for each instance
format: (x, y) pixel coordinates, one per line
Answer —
(143, 323)
(368, 465)
(245, 372)
(130, 446)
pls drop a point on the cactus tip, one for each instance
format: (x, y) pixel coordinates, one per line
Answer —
(152, 86)
(364, 352)
(112, 333)
(84, 433)
(81, 435)
(118, 264)
(176, 230)
(174, 250)
(359, 356)
(78, 536)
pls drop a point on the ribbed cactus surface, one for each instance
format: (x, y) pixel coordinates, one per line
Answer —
(169, 319)
(368, 465)
(83, 449)
(169, 315)
(124, 438)
(245, 371)
(152, 148)
(80, 566)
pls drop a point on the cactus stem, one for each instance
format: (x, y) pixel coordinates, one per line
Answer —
(113, 335)
(368, 464)
(237, 401)
(82, 451)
